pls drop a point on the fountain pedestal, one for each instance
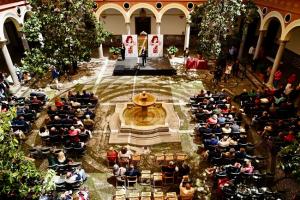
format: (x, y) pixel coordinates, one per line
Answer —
(144, 122)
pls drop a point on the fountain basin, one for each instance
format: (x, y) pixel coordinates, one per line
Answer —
(128, 126)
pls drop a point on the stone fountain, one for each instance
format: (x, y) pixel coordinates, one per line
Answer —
(144, 122)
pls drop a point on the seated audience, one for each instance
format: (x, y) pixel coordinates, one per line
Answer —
(43, 132)
(132, 171)
(125, 155)
(88, 122)
(112, 154)
(186, 191)
(247, 168)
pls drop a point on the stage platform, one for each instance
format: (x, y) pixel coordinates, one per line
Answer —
(133, 66)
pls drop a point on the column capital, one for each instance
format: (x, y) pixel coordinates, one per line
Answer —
(283, 41)
(2, 42)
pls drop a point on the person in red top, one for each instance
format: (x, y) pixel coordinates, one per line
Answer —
(292, 78)
(289, 137)
(73, 131)
(35, 100)
(111, 155)
(58, 103)
(277, 77)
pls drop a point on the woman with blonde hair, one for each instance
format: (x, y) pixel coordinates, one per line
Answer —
(61, 158)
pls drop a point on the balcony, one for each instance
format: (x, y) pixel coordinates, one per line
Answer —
(3, 2)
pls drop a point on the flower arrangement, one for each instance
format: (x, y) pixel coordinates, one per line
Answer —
(172, 50)
(114, 50)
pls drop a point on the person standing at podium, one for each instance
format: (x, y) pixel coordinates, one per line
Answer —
(144, 56)
(123, 51)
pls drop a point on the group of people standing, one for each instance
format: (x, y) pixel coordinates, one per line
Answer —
(228, 66)
(143, 54)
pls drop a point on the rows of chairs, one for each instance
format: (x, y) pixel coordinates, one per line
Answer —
(121, 195)
(227, 165)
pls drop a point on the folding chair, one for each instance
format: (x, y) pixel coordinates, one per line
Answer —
(159, 158)
(133, 196)
(171, 196)
(120, 195)
(169, 157)
(146, 196)
(158, 196)
(131, 180)
(120, 179)
(157, 177)
(135, 159)
(168, 177)
(145, 177)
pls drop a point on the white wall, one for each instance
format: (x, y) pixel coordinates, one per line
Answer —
(173, 22)
(113, 22)
(294, 43)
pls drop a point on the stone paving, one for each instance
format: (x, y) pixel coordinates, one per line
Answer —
(113, 89)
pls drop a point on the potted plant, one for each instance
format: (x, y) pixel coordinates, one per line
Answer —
(172, 50)
(114, 51)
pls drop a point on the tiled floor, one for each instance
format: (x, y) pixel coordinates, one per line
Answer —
(114, 89)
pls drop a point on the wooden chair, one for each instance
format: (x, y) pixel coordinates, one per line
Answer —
(168, 177)
(131, 180)
(159, 158)
(158, 196)
(120, 195)
(133, 196)
(171, 196)
(180, 157)
(136, 159)
(120, 179)
(157, 177)
(146, 196)
(145, 177)
(169, 157)
(186, 198)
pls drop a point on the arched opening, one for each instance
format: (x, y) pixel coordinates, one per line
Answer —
(174, 32)
(291, 55)
(272, 37)
(14, 43)
(253, 33)
(142, 20)
(114, 22)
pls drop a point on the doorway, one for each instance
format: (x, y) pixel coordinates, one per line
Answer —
(142, 24)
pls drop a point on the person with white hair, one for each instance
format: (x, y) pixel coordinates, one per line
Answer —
(88, 122)
(73, 131)
(230, 118)
(75, 104)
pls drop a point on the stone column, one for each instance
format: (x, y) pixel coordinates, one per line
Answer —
(9, 62)
(158, 28)
(24, 41)
(128, 28)
(187, 35)
(259, 42)
(276, 62)
(100, 51)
